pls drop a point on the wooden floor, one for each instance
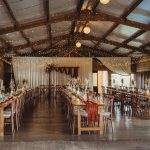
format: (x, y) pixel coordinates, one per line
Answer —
(47, 121)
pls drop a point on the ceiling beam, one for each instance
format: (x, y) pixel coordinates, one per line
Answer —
(8, 47)
(71, 16)
(91, 7)
(78, 11)
(71, 48)
(16, 24)
(123, 16)
(145, 45)
(135, 35)
(81, 36)
(47, 9)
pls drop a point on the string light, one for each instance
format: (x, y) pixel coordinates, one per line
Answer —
(78, 44)
(86, 30)
(104, 1)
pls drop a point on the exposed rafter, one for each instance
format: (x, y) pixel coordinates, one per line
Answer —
(91, 7)
(8, 47)
(70, 16)
(16, 24)
(72, 48)
(145, 45)
(135, 35)
(46, 8)
(79, 36)
(78, 11)
(123, 16)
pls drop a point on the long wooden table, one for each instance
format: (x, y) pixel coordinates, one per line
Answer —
(4, 104)
(8, 101)
(79, 103)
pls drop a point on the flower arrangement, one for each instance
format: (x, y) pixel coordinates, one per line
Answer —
(50, 67)
(147, 84)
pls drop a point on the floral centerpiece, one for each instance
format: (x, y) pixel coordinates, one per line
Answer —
(12, 86)
(147, 86)
(50, 67)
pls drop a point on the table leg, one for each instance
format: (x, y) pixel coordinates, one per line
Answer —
(79, 122)
(101, 123)
(1, 122)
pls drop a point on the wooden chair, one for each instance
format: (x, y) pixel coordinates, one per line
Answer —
(143, 106)
(108, 111)
(73, 113)
(128, 103)
(9, 115)
(20, 104)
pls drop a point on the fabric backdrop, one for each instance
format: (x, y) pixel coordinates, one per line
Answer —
(33, 69)
(119, 65)
(143, 64)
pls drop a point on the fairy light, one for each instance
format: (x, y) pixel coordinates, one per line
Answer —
(78, 44)
(86, 30)
(104, 1)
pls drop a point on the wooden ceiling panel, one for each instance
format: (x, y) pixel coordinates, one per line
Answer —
(4, 17)
(60, 28)
(136, 55)
(37, 33)
(144, 38)
(115, 7)
(99, 28)
(87, 43)
(60, 6)
(26, 50)
(136, 44)
(121, 33)
(107, 47)
(14, 38)
(41, 28)
(141, 13)
(26, 10)
(42, 46)
(122, 51)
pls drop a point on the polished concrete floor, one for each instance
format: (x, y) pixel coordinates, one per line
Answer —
(46, 122)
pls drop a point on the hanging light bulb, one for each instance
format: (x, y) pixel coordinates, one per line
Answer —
(78, 44)
(86, 30)
(104, 1)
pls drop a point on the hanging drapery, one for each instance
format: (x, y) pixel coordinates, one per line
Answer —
(72, 71)
(118, 65)
(33, 69)
(143, 64)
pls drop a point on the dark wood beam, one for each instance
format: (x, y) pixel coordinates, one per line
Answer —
(78, 12)
(135, 35)
(145, 45)
(123, 16)
(85, 16)
(46, 8)
(79, 36)
(71, 48)
(8, 47)
(16, 24)
(91, 6)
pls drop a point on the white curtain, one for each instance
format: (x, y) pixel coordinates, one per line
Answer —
(143, 64)
(32, 69)
(118, 65)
